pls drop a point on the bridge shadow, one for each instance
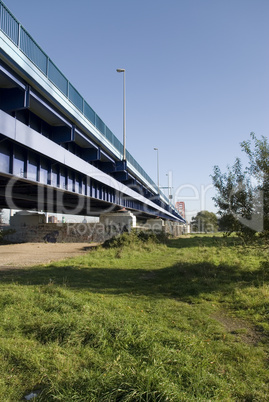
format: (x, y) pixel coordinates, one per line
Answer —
(182, 281)
(204, 241)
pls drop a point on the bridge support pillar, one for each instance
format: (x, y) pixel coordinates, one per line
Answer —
(174, 228)
(156, 225)
(118, 222)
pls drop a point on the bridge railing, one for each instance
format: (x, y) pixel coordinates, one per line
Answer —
(21, 38)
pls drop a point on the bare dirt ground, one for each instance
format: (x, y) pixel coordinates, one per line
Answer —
(29, 254)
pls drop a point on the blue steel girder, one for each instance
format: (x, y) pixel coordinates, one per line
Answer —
(91, 154)
(63, 134)
(121, 176)
(12, 99)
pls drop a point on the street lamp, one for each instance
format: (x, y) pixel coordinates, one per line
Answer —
(122, 70)
(170, 187)
(167, 174)
(158, 178)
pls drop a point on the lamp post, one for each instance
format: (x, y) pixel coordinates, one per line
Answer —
(167, 174)
(158, 176)
(170, 187)
(122, 70)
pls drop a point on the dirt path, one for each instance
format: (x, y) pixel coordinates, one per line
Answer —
(28, 254)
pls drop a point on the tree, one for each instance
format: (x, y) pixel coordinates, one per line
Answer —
(204, 221)
(243, 194)
(259, 169)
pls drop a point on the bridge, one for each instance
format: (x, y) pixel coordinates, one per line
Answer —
(56, 154)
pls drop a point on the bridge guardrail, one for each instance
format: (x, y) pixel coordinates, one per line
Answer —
(23, 40)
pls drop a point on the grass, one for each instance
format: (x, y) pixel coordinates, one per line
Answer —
(139, 321)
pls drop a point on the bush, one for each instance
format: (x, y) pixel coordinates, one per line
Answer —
(136, 238)
(4, 233)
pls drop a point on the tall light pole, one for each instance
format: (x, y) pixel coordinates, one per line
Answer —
(167, 174)
(158, 174)
(122, 70)
(170, 187)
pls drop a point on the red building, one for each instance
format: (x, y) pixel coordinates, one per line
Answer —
(180, 206)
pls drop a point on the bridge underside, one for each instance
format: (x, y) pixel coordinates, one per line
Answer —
(34, 182)
(37, 174)
(23, 194)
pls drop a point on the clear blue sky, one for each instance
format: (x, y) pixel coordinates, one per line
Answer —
(197, 76)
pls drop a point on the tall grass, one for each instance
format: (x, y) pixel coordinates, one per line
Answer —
(139, 321)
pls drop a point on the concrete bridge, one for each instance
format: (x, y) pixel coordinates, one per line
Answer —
(56, 153)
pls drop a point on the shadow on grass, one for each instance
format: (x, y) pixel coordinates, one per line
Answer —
(204, 241)
(183, 281)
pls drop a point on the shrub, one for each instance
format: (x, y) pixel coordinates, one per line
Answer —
(4, 233)
(136, 238)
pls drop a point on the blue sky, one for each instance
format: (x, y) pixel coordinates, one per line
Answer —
(197, 77)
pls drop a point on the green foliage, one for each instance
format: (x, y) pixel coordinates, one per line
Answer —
(204, 222)
(186, 322)
(243, 194)
(258, 154)
(135, 238)
(4, 234)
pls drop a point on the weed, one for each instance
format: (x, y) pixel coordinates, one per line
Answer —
(5, 233)
(136, 238)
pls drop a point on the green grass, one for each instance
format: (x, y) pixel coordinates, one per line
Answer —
(139, 321)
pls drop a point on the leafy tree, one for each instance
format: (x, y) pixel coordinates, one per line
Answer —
(259, 169)
(204, 221)
(243, 195)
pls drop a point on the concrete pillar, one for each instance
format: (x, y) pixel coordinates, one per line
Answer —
(174, 228)
(155, 225)
(118, 222)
